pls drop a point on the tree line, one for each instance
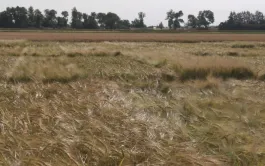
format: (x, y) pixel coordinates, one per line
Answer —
(244, 21)
(21, 17)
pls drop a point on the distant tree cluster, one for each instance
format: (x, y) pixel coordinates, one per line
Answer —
(21, 17)
(139, 23)
(244, 21)
(203, 20)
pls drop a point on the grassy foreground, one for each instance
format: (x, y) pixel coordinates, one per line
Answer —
(132, 103)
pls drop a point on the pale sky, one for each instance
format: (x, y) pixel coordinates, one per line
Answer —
(155, 9)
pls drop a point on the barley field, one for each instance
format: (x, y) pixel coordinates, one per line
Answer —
(132, 103)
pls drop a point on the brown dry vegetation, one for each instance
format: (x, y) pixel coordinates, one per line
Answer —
(130, 37)
(123, 104)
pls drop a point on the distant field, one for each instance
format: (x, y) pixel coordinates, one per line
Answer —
(211, 31)
(129, 37)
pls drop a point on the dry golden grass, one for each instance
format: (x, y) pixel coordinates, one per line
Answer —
(203, 66)
(43, 69)
(125, 104)
(210, 82)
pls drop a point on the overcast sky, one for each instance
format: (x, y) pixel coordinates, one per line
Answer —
(155, 9)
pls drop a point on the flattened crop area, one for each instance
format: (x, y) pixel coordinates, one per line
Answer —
(132, 103)
(129, 37)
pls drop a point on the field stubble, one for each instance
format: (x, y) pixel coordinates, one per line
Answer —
(128, 104)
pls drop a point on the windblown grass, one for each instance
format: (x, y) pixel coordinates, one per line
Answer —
(213, 66)
(43, 69)
(210, 82)
(85, 109)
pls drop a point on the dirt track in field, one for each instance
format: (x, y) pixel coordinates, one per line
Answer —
(136, 37)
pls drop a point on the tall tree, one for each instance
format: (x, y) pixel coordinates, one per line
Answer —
(192, 21)
(19, 16)
(170, 18)
(90, 21)
(111, 20)
(259, 18)
(174, 19)
(231, 18)
(86, 22)
(101, 17)
(31, 17)
(139, 23)
(38, 18)
(65, 15)
(205, 18)
(178, 20)
(161, 26)
(50, 19)
(60, 22)
(76, 19)
(6, 19)
(142, 15)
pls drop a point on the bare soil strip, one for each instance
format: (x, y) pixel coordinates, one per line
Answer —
(129, 37)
